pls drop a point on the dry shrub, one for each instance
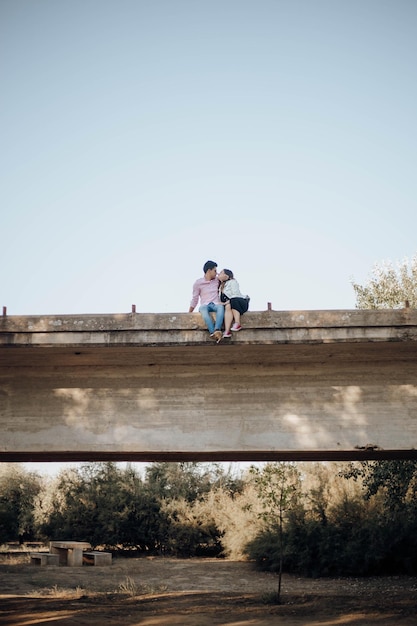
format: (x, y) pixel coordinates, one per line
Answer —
(130, 588)
(236, 518)
(63, 592)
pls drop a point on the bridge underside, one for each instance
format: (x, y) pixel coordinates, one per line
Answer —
(310, 386)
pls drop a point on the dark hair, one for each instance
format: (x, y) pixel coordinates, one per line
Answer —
(209, 265)
(229, 273)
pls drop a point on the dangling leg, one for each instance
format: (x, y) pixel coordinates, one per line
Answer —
(236, 317)
(219, 310)
(205, 314)
(228, 319)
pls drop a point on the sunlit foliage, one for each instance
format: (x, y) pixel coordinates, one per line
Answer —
(389, 286)
(18, 492)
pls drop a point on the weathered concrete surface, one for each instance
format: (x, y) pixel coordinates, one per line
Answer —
(290, 385)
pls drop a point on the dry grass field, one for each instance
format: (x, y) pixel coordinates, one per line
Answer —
(194, 592)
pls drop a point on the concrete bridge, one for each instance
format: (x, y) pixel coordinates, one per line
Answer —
(300, 385)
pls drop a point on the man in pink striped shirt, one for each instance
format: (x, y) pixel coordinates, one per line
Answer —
(206, 290)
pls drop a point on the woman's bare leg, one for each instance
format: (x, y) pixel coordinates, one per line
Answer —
(228, 317)
(236, 316)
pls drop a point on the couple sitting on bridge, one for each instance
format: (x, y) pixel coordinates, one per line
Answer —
(219, 294)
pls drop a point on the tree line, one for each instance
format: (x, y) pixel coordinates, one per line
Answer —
(312, 519)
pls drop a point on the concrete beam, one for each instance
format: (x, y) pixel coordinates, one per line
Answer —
(291, 385)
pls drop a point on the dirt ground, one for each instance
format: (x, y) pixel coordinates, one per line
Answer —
(195, 592)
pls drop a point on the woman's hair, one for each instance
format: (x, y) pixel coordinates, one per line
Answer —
(229, 273)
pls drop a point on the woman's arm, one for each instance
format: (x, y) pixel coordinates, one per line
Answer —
(231, 289)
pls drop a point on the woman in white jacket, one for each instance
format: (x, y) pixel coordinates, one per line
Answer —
(236, 304)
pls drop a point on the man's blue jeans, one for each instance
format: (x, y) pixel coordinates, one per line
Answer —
(205, 311)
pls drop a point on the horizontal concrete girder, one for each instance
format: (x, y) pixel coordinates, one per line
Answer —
(290, 385)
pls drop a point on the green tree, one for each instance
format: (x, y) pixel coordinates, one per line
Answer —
(278, 487)
(393, 486)
(389, 286)
(104, 505)
(182, 490)
(184, 480)
(18, 491)
(395, 481)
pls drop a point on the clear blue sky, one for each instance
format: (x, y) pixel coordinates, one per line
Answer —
(141, 138)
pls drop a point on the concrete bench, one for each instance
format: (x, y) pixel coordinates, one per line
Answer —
(96, 557)
(44, 558)
(69, 552)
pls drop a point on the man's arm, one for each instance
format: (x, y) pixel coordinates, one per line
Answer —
(195, 296)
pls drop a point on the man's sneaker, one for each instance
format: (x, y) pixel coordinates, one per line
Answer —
(225, 335)
(217, 335)
(236, 327)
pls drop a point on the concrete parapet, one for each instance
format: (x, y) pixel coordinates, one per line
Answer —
(291, 384)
